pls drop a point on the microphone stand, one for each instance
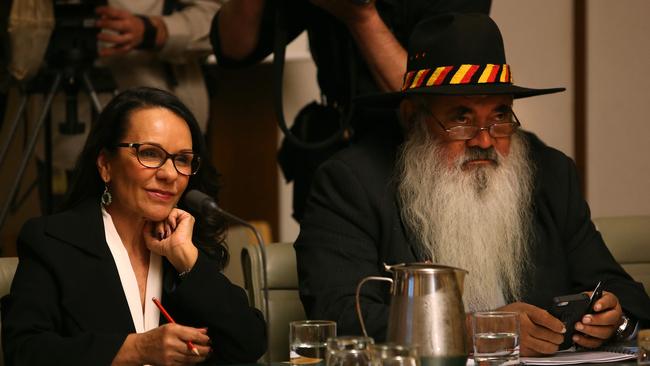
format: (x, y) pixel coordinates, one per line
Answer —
(265, 289)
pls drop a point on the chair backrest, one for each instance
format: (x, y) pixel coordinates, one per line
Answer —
(236, 238)
(284, 301)
(7, 270)
(628, 238)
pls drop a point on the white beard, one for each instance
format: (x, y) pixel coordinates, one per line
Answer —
(478, 219)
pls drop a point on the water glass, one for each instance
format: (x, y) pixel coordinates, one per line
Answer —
(643, 340)
(496, 338)
(393, 354)
(349, 351)
(308, 339)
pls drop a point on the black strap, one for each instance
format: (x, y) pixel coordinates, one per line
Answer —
(149, 35)
(170, 6)
(279, 46)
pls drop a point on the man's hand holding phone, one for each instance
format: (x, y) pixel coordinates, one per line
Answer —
(601, 323)
(591, 318)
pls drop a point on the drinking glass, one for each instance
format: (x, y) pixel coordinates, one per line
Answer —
(349, 351)
(308, 339)
(643, 340)
(496, 338)
(393, 354)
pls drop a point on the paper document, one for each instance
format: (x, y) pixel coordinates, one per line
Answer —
(573, 357)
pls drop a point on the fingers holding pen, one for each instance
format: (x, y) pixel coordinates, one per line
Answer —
(167, 345)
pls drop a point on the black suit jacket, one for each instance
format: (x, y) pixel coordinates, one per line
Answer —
(352, 226)
(67, 305)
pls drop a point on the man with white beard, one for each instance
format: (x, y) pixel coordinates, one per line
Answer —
(443, 194)
(457, 182)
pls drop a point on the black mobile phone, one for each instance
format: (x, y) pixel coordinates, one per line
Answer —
(571, 308)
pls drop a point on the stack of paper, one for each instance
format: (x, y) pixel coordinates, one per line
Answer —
(573, 358)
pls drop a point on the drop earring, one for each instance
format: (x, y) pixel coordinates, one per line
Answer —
(107, 197)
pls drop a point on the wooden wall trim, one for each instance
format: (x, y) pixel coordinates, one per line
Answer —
(580, 90)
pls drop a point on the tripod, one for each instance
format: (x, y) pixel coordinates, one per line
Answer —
(69, 79)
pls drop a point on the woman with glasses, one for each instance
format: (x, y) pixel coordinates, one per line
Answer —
(82, 294)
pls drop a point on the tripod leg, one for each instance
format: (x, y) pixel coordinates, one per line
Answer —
(92, 92)
(47, 203)
(14, 126)
(30, 147)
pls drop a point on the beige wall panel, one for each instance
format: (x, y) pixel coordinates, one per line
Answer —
(618, 135)
(539, 48)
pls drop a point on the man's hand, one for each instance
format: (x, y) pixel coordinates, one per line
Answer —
(540, 333)
(596, 328)
(125, 31)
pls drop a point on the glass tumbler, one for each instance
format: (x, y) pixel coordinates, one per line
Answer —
(349, 351)
(308, 339)
(496, 338)
(393, 354)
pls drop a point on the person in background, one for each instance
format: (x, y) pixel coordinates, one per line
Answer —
(456, 181)
(161, 44)
(357, 46)
(82, 293)
(155, 43)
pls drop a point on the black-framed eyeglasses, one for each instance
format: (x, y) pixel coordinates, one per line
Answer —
(154, 156)
(495, 129)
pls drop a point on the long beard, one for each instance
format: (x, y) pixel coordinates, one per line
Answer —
(478, 219)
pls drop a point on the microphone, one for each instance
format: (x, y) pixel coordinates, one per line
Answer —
(205, 205)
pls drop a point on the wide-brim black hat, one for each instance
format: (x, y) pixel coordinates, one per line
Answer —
(455, 54)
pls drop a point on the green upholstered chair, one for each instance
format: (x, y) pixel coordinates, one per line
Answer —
(236, 238)
(7, 270)
(628, 238)
(284, 301)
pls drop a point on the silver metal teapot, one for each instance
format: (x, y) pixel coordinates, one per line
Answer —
(426, 310)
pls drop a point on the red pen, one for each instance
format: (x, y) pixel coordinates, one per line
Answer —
(190, 345)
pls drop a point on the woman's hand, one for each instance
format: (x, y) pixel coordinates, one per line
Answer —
(172, 239)
(596, 328)
(165, 345)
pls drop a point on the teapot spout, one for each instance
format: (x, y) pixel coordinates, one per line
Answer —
(389, 267)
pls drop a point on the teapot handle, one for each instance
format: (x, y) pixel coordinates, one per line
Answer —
(356, 297)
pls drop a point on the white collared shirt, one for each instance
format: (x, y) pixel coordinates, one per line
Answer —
(151, 316)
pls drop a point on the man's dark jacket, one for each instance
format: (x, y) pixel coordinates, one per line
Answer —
(352, 226)
(67, 305)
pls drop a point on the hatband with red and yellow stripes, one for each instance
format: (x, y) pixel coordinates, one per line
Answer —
(461, 74)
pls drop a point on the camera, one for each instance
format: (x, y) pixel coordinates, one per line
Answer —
(74, 39)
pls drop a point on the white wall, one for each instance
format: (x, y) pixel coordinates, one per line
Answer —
(539, 48)
(618, 134)
(300, 88)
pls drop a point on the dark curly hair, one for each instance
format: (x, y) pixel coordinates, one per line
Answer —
(110, 129)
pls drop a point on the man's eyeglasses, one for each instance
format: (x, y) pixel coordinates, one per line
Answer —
(495, 128)
(153, 156)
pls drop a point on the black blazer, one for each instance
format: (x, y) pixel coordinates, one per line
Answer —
(352, 226)
(67, 305)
